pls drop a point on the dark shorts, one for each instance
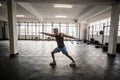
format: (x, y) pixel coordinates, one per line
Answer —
(63, 50)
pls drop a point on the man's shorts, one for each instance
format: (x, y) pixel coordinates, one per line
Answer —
(63, 50)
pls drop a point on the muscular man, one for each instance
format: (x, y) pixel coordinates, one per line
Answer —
(61, 46)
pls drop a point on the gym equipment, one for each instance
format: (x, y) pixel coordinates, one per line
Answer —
(92, 31)
(88, 42)
(92, 40)
(97, 44)
(105, 47)
(102, 33)
(88, 32)
(77, 42)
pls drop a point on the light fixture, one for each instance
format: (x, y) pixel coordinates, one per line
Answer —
(19, 15)
(60, 16)
(0, 4)
(62, 6)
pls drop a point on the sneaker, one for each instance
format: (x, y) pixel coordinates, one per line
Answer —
(72, 64)
(53, 63)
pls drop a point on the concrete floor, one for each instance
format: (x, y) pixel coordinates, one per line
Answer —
(34, 57)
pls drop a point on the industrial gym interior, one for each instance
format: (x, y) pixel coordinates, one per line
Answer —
(25, 54)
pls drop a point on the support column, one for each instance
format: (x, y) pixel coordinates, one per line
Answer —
(83, 29)
(113, 30)
(77, 30)
(11, 6)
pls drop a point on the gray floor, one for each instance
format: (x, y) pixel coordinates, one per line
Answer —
(34, 57)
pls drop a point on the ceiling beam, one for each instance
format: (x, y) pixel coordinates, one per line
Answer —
(89, 7)
(98, 13)
(31, 10)
(94, 12)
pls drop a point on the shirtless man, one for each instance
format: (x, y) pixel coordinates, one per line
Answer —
(61, 46)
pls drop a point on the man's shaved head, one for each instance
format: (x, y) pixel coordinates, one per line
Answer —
(55, 30)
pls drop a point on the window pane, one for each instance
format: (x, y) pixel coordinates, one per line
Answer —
(47, 29)
(22, 29)
(56, 25)
(118, 33)
(30, 28)
(72, 30)
(33, 27)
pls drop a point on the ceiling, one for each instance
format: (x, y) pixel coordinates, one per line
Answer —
(45, 10)
(22, 11)
(48, 11)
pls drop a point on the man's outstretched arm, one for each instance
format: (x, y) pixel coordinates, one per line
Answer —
(52, 35)
(68, 36)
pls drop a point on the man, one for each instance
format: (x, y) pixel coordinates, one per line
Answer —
(61, 46)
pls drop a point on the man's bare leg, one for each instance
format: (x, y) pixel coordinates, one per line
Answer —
(70, 57)
(53, 57)
(73, 61)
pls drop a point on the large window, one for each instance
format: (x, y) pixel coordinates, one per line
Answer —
(64, 28)
(98, 26)
(72, 29)
(18, 28)
(119, 27)
(32, 29)
(22, 28)
(47, 29)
